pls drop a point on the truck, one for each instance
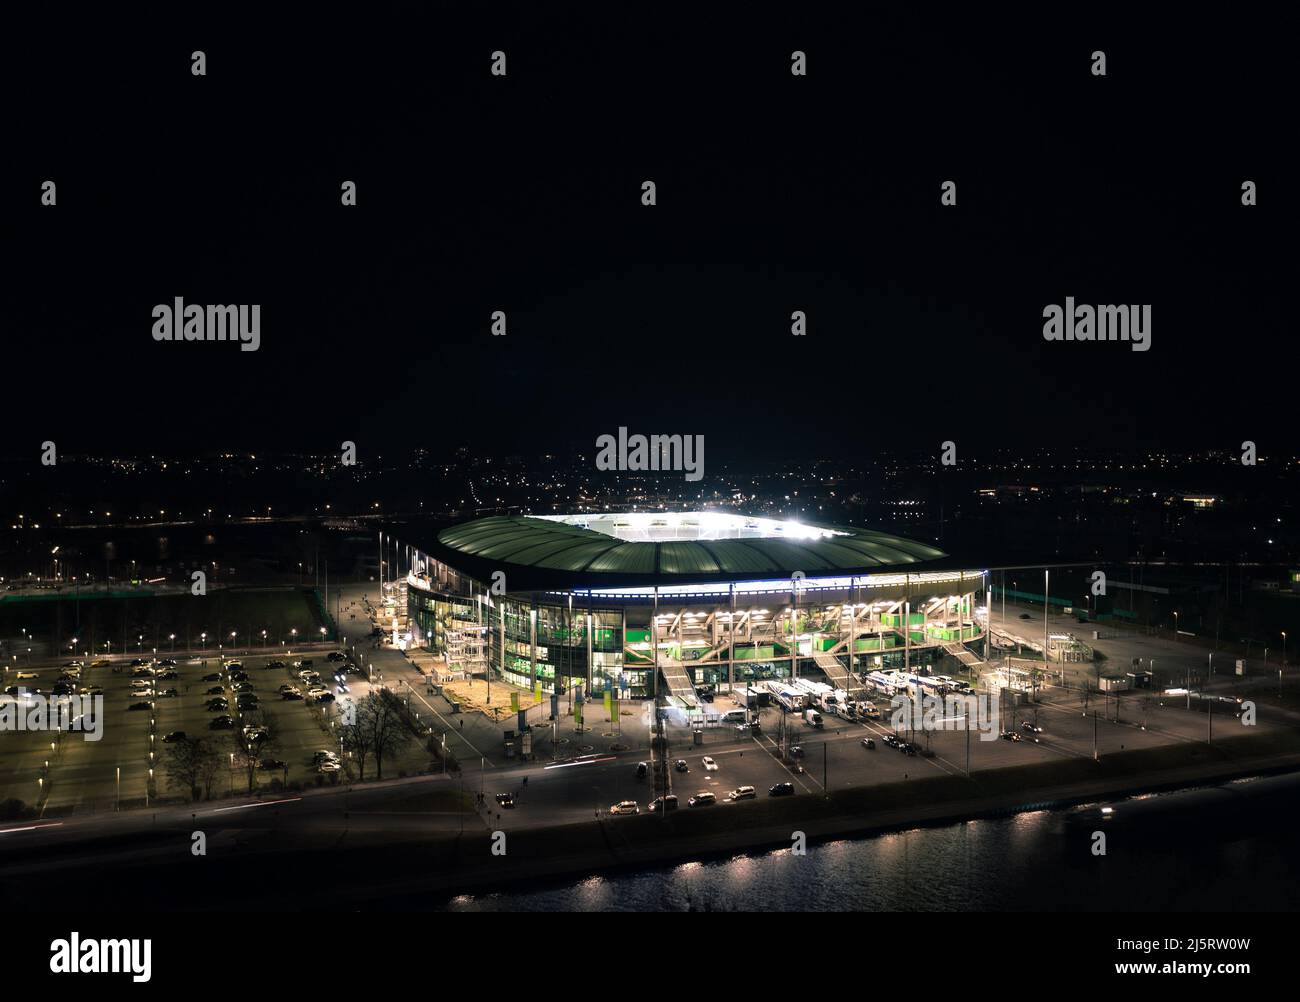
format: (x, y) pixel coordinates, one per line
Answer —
(812, 718)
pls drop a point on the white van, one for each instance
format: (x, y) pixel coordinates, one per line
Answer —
(736, 717)
(812, 717)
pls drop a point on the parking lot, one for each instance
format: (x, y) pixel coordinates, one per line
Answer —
(834, 757)
(82, 776)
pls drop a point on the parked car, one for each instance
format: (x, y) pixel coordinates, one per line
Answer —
(272, 764)
(702, 799)
(234, 665)
(324, 697)
(143, 705)
(216, 690)
(239, 676)
(223, 723)
(625, 807)
(742, 793)
(212, 677)
(709, 764)
(174, 736)
(781, 790)
(291, 694)
(274, 664)
(663, 804)
(220, 704)
(25, 675)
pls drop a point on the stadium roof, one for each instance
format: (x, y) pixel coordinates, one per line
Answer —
(567, 551)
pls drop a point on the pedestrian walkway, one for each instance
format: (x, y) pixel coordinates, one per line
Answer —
(678, 681)
(963, 654)
(835, 672)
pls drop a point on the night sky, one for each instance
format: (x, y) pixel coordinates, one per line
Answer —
(775, 193)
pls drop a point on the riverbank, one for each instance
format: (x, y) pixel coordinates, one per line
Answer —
(466, 865)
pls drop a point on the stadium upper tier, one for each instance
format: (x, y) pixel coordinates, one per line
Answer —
(655, 549)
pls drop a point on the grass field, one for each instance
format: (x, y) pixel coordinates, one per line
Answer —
(140, 624)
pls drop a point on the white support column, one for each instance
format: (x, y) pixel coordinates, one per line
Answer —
(532, 644)
(731, 639)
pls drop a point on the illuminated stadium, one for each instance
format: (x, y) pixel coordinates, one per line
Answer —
(667, 605)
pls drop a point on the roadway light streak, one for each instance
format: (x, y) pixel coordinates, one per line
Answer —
(267, 803)
(590, 761)
(31, 828)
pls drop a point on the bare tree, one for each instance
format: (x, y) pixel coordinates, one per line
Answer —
(184, 766)
(251, 741)
(383, 727)
(356, 741)
(193, 764)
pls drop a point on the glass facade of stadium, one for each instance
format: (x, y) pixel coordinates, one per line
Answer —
(649, 641)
